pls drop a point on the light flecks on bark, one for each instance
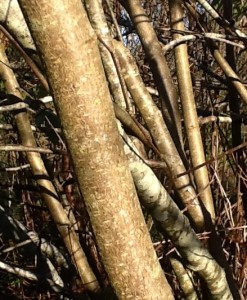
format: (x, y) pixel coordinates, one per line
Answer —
(83, 102)
(172, 222)
(160, 134)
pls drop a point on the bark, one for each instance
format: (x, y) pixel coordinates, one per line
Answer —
(160, 134)
(232, 93)
(159, 67)
(231, 29)
(18, 272)
(185, 279)
(113, 71)
(28, 60)
(98, 22)
(83, 102)
(232, 77)
(46, 187)
(172, 222)
(189, 110)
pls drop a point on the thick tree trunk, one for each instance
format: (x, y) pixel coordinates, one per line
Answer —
(70, 53)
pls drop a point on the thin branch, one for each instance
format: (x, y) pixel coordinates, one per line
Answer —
(18, 272)
(119, 35)
(214, 36)
(21, 148)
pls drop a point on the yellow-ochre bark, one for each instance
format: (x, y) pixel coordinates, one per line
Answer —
(189, 110)
(69, 49)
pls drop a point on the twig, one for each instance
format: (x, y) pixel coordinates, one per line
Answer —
(24, 149)
(119, 35)
(14, 169)
(191, 37)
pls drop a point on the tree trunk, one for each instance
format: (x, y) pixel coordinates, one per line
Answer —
(70, 53)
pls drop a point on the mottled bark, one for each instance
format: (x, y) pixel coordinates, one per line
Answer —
(83, 102)
(160, 134)
(172, 222)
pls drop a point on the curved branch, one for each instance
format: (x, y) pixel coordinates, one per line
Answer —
(171, 221)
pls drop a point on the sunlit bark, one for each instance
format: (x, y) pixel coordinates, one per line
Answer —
(97, 20)
(185, 280)
(172, 222)
(45, 185)
(160, 134)
(160, 70)
(189, 110)
(83, 102)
